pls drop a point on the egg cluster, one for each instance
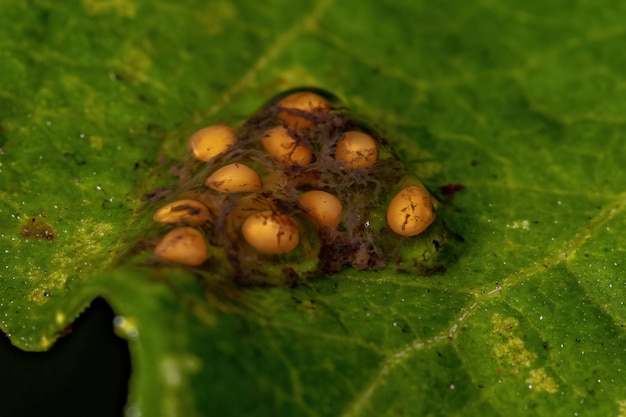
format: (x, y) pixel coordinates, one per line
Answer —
(300, 188)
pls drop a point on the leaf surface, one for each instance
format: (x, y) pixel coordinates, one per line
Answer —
(522, 103)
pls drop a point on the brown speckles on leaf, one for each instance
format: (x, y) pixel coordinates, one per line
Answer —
(37, 229)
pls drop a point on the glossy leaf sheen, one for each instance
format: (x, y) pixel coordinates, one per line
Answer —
(520, 102)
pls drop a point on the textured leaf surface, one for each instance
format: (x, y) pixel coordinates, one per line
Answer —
(521, 102)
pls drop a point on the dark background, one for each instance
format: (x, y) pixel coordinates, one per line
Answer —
(84, 374)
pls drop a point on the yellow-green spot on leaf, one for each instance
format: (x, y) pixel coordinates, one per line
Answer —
(62, 265)
(295, 76)
(126, 327)
(59, 317)
(80, 252)
(428, 168)
(175, 371)
(45, 342)
(174, 368)
(503, 325)
(519, 224)
(134, 61)
(205, 314)
(540, 381)
(39, 296)
(215, 16)
(170, 371)
(121, 8)
(96, 142)
(307, 306)
(513, 353)
(510, 350)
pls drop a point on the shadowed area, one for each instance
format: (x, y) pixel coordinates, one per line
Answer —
(85, 373)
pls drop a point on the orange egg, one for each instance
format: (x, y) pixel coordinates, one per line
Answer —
(183, 245)
(234, 178)
(324, 208)
(211, 141)
(271, 233)
(304, 101)
(410, 212)
(281, 145)
(357, 150)
(183, 211)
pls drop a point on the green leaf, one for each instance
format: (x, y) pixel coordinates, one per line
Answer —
(520, 102)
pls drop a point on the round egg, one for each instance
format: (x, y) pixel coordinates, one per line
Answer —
(183, 245)
(357, 149)
(271, 233)
(304, 101)
(278, 143)
(324, 208)
(410, 212)
(211, 141)
(183, 211)
(234, 178)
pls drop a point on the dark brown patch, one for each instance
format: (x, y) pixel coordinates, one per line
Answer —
(65, 331)
(156, 194)
(451, 189)
(37, 229)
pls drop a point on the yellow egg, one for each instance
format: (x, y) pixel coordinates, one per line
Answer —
(234, 178)
(324, 208)
(410, 211)
(183, 211)
(281, 145)
(305, 101)
(271, 233)
(184, 245)
(357, 149)
(211, 141)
